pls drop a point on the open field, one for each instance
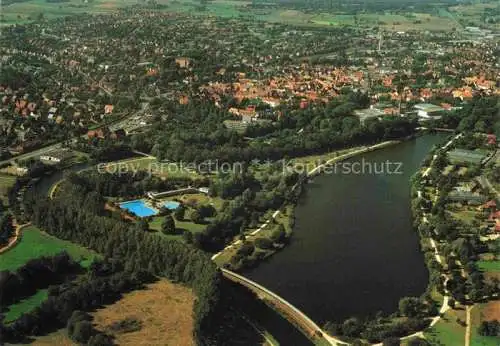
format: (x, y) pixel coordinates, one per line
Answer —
(484, 312)
(6, 181)
(464, 215)
(25, 12)
(470, 14)
(193, 200)
(58, 338)
(489, 266)
(163, 311)
(192, 227)
(35, 244)
(25, 305)
(447, 331)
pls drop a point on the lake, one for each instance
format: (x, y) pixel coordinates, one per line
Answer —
(353, 251)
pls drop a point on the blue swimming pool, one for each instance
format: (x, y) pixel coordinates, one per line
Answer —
(172, 205)
(139, 208)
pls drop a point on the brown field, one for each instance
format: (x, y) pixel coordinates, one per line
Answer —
(108, 5)
(58, 338)
(490, 276)
(164, 310)
(491, 311)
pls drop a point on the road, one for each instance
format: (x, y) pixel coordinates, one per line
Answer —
(34, 153)
(468, 325)
(17, 234)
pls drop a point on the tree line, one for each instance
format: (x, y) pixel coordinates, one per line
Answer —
(196, 132)
(104, 283)
(36, 274)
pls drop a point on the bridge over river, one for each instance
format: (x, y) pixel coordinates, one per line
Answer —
(291, 313)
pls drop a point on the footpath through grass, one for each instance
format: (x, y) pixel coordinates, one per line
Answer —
(448, 331)
(35, 243)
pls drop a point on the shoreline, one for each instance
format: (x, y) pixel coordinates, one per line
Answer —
(313, 172)
(317, 170)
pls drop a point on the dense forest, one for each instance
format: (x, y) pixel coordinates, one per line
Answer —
(36, 274)
(6, 224)
(479, 115)
(195, 132)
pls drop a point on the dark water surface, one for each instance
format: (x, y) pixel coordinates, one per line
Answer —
(353, 250)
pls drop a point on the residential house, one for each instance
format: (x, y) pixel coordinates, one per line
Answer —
(183, 62)
(491, 139)
(99, 133)
(108, 109)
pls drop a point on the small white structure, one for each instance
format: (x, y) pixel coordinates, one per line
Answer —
(429, 111)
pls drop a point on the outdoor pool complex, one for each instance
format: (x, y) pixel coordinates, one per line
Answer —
(172, 205)
(139, 208)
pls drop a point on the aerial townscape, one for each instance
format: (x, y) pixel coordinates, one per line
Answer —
(250, 172)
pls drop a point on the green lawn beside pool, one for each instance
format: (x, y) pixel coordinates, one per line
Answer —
(192, 227)
(35, 244)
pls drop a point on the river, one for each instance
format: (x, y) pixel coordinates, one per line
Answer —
(353, 250)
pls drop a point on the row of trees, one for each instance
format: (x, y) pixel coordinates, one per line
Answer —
(195, 132)
(478, 115)
(36, 274)
(103, 284)
(6, 225)
(377, 329)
